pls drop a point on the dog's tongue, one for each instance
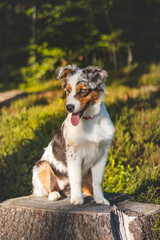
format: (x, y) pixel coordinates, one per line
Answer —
(75, 119)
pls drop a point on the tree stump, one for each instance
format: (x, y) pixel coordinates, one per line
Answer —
(33, 218)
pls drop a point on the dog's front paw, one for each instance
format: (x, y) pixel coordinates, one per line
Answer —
(54, 196)
(77, 200)
(101, 200)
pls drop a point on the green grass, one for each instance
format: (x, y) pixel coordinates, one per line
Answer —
(28, 125)
(134, 158)
(26, 128)
(137, 75)
(156, 226)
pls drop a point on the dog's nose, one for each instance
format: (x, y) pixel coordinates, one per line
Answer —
(70, 107)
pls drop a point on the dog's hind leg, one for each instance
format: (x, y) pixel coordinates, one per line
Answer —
(87, 188)
(44, 181)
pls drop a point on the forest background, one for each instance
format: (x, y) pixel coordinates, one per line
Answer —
(121, 36)
(38, 36)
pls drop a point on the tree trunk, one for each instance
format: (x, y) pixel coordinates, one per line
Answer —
(33, 34)
(113, 47)
(130, 56)
(33, 218)
(94, 58)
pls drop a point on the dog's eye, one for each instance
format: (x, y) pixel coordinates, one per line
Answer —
(68, 90)
(83, 92)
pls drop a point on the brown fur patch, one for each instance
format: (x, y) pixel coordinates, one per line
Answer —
(93, 97)
(63, 77)
(47, 177)
(59, 146)
(68, 89)
(87, 184)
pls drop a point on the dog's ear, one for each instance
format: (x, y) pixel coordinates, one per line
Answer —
(63, 73)
(95, 76)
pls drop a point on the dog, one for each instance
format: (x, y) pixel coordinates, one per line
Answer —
(76, 157)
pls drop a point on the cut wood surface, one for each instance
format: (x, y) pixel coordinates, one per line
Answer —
(39, 219)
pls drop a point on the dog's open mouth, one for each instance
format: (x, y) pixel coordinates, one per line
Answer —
(76, 116)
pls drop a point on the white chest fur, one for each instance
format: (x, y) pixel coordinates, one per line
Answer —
(92, 138)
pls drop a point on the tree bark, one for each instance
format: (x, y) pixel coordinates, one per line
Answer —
(33, 218)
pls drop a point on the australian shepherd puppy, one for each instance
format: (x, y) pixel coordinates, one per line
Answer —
(76, 157)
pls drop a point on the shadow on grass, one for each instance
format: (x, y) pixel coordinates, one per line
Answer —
(131, 78)
(148, 192)
(43, 100)
(139, 103)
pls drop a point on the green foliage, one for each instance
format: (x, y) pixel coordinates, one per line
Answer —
(42, 64)
(86, 32)
(107, 40)
(156, 226)
(148, 192)
(110, 33)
